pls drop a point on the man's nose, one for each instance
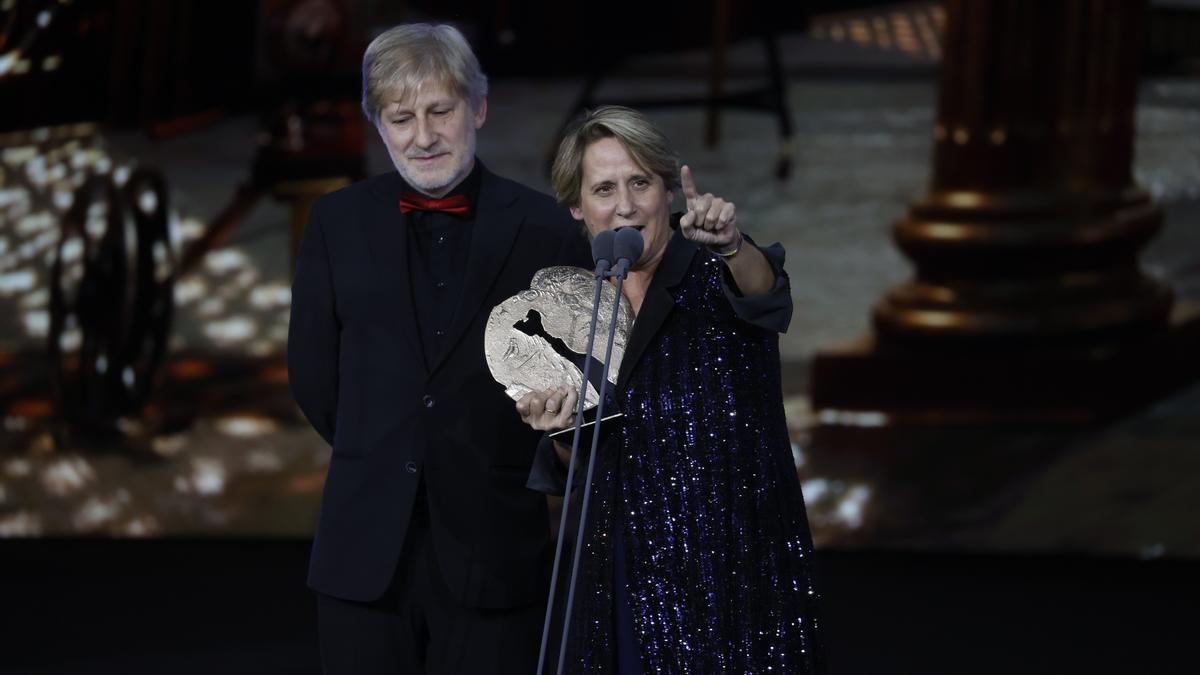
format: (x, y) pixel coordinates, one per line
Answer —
(425, 136)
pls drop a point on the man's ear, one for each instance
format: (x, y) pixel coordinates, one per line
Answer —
(576, 212)
(481, 113)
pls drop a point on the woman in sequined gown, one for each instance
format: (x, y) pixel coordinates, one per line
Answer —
(697, 555)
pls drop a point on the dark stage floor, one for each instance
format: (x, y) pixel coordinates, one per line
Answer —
(228, 606)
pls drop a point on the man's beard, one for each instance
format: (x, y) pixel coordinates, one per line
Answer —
(438, 183)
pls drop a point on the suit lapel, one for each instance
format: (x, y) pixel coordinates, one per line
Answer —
(387, 240)
(496, 226)
(657, 304)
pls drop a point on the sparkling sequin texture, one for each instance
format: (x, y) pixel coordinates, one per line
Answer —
(717, 546)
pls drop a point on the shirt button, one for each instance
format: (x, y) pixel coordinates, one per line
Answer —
(439, 333)
(410, 467)
(428, 401)
(441, 239)
(440, 285)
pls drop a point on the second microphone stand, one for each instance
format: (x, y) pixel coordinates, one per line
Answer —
(625, 246)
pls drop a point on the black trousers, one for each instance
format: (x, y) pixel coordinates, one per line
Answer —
(416, 627)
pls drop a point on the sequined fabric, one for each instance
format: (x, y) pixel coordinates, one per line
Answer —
(717, 546)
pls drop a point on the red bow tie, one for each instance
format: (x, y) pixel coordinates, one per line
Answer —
(455, 206)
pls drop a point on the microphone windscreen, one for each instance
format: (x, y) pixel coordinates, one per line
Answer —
(602, 247)
(628, 245)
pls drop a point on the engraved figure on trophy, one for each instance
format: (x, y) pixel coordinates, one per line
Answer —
(537, 338)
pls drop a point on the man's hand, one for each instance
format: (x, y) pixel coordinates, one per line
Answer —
(550, 410)
(709, 220)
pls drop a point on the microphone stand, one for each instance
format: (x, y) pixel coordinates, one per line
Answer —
(627, 246)
(602, 249)
(622, 270)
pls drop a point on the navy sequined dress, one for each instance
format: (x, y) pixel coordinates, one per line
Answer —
(701, 485)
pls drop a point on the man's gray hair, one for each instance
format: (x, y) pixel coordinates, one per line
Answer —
(648, 147)
(404, 58)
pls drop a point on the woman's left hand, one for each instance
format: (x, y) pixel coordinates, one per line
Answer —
(550, 410)
(709, 220)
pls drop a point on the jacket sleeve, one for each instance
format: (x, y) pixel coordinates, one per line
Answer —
(771, 310)
(548, 474)
(314, 333)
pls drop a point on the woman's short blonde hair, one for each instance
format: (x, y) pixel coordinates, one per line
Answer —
(644, 142)
(404, 58)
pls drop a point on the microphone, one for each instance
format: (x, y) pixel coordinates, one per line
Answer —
(602, 251)
(627, 249)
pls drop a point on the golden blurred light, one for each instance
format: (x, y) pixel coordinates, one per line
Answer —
(97, 511)
(189, 290)
(309, 483)
(21, 524)
(37, 324)
(208, 476)
(70, 340)
(16, 282)
(934, 319)
(63, 199)
(276, 375)
(850, 508)
(852, 418)
(271, 295)
(232, 329)
(141, 526)
(860, 32)
(36, 222)
(262, 460)
(210, 307)
(147, 201)
(262, 348)
(225, 260)
(246, 426)
(246, 279)
(189, 369)
(67, 475)
(18, 467)
(966, 199)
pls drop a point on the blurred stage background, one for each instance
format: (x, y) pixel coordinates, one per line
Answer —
(999, 453)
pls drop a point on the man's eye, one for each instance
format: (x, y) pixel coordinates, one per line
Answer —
(401, 120)
(641, 183)
(441, 113)
(604, 189)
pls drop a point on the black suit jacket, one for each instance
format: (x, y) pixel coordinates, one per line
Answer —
(356, 369)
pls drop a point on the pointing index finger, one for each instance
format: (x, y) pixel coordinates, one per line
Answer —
(686, 182)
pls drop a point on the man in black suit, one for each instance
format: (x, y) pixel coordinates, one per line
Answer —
(430, 554)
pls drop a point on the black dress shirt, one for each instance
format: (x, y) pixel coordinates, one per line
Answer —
(438, 244)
